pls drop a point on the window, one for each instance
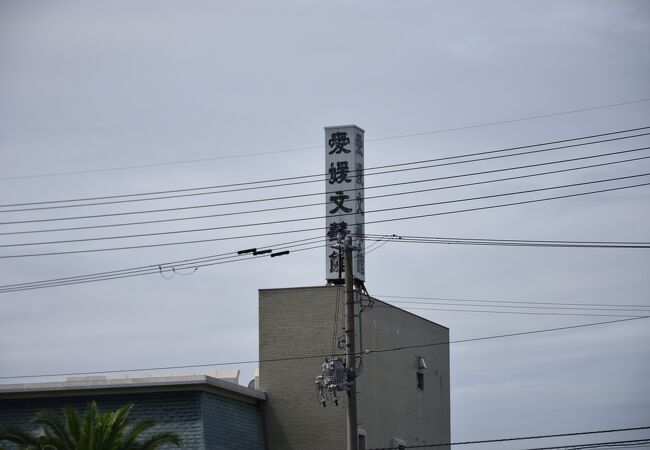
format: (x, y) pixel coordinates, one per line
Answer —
(420, 381)
(362, 442)
(363, 438)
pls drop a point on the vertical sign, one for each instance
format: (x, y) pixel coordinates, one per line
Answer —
(344, 198)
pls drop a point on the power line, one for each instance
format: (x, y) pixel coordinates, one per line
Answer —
(540, 241)
(519, 438)
(320, 356)
(205, 216)
(170, 263)
(190, 263)
(158, 268)
(505, 301)
(522, 202)
(570, 327)
(636, 443)
(585, 446)
(419, 216)
(512, 312)
(366, 173)
(302, 219)
(615, 308)
(402, 136)
(172, 269)
(512, 243)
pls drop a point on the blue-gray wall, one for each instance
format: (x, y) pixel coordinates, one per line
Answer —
(231, 424)
(204, 421)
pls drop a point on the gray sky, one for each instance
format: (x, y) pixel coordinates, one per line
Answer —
(93, 85)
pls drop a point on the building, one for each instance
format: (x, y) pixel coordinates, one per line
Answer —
(402, 390)
(206, 411)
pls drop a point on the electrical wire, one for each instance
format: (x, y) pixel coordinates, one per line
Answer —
(571, 308)
(519, 438)
(406, 237)
(408, 347)
(275, 222)
(510, 312)
(150, 270)
(382, 243)
(240, 202)
(166, 265)
(161, 271)
(512, 243)
(634, 443)
(382, 240)
(320, 179)
(421, 133)
(337, 312)
(419, 216)
(436, 300)
(321, 356)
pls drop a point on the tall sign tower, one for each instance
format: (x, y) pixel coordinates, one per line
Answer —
(344, 199)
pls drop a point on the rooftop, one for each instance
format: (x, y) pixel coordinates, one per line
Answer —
(222, 383)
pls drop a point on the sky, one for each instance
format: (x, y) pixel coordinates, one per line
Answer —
(122, 97)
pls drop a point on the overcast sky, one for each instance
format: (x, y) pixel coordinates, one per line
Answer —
(89, 86)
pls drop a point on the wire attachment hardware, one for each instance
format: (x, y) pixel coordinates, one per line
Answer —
(334, 378)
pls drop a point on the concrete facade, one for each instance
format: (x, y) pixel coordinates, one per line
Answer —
(206, 412)
(392, 410)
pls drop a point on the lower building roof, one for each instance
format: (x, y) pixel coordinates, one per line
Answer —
(95, 385)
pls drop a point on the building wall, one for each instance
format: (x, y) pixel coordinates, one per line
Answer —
(297, 322)
(173, 411)
(300, 322)
(390, 405)
(230, 424)
(203, 420)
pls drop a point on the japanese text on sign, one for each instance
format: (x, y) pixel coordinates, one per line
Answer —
(344, 149)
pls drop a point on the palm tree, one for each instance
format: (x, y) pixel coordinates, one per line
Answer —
(96, 431)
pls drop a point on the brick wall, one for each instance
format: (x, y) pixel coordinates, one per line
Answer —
(299, 322)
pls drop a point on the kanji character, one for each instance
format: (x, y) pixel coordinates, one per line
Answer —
(359, 203)
(337, 143)
(336, 228)
(335, 259)
(338, 200)
(358, 144)
(359, 174)
(339, 174)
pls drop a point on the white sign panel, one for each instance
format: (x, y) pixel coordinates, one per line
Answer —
(344, 198)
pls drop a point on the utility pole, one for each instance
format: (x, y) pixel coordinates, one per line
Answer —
(350, 360)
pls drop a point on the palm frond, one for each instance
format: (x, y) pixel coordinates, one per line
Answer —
(53, 423)
(18, 436)
(72, 424)
(115, 423)
(159, 439)
(135, 432)
(87, 436)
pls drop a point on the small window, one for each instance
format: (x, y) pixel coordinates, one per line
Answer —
(363, 439)
(362, 442)
(420, 381)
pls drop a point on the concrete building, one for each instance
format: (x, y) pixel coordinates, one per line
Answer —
(403, 395)
(207, 412)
